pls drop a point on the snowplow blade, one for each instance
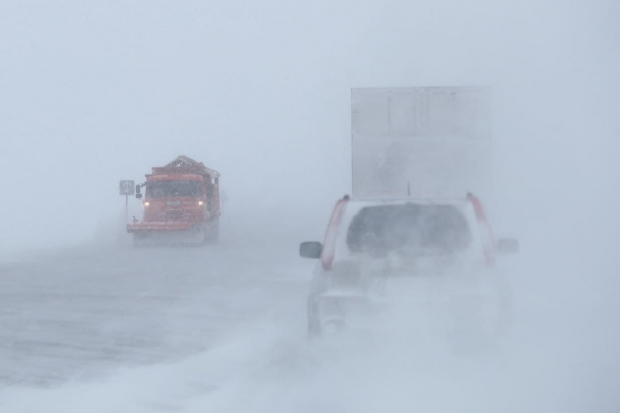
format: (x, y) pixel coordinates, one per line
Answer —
(167, 233)
(159, 227)
(174, 233)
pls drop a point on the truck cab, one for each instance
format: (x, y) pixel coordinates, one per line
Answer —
(176, 198)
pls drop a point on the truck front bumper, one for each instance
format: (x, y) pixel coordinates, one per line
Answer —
(144, 227)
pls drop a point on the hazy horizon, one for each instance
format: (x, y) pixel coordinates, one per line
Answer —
(95, 92)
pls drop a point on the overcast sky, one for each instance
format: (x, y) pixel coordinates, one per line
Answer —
(96, 91)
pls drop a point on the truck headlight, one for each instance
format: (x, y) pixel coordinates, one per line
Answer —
(200, 203)
(147, 203)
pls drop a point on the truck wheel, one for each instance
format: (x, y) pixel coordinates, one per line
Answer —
(314, 331)
(212, 231)
(138, 240)
(333, 328)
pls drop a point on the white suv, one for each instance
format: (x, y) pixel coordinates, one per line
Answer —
(379, 252)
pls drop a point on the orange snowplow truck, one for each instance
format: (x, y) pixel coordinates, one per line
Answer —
(181, 205)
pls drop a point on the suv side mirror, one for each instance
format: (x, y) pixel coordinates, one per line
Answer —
(139, 195)
(311, 249)
(507, 246)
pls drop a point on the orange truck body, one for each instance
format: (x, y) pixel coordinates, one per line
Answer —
(182, 197)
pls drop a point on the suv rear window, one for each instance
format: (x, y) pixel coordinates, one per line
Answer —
(415, 228)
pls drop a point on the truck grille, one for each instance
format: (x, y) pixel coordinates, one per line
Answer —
(173, 216)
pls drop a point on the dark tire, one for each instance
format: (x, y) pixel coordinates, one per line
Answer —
(333, 328)
(314, 331)
(212, 231)
(138, 240)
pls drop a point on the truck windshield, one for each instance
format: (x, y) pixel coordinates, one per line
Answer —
(165, 189)
(417, 229)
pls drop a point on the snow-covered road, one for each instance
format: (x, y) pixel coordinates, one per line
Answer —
(85, 314)
(222, 329)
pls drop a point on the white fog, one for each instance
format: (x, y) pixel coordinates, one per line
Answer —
(96, 92)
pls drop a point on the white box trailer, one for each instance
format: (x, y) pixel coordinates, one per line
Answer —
(421, 142)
